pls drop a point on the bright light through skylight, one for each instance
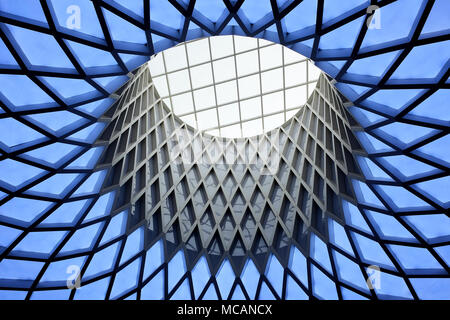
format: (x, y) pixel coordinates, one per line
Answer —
(233, 86)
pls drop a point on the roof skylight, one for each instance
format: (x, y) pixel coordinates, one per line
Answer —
(233, 86)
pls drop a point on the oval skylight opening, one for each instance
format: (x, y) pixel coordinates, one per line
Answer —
(233, 86)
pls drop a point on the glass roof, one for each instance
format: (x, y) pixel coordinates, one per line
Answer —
(233, 86)
(61, 64)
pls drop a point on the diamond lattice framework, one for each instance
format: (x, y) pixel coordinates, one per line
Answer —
(60, 204)
(242, 196)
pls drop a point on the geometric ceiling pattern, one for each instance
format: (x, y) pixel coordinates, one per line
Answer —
(61, 62)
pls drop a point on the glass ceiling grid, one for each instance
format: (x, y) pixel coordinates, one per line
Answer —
(255, 73)
(232, 75)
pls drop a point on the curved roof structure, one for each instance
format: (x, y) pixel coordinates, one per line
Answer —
(233, 86)
(62, 67)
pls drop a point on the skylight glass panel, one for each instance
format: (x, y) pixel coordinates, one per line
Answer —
(209, 9)
(226, 92)
(247, 63)
(183, 103)
(198, 52)
(201, 75)
(233, 131)
(57, 122)
(313, 72)
(437, 21)
(168, 102)
(23, 211)
(179, 81)
(67, 214)
(164, 13)
(430, 56)
(88, 24)
(229, 114)
(302, 17)
(122, 30)
(341, 38)
(161, 83)
(333, 9)
(221, 46)
(158, 66)
(175, 58)
(295, 74)
(12, 87)
(272, 80)
(32, 10)
(15, 174)
(273, 103)
(242, 44)
(249, 86)
(72, 90)
(190, 118)
(207, 118)
(254, 10)
(204, 98)
(270, 122)
(271, 57)
(6, 58)
(15, 135)
(224, 69)
(295, 96)
(252, 127)
(251, 108)
(434, 109)
(34, 44)
(290, 113)
(431, 288)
